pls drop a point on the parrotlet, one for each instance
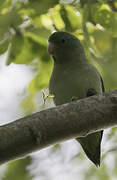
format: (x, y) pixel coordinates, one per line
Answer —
(73, 76)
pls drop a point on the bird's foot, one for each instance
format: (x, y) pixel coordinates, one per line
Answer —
(46, 96)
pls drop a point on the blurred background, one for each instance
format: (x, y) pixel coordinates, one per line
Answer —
(25, 69)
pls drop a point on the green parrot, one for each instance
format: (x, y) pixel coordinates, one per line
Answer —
(73, 76)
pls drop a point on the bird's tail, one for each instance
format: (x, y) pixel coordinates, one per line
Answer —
(91, 145)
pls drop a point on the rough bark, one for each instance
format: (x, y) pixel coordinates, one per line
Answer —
(54, 125)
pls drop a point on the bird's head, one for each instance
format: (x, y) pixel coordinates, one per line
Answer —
(63, 45)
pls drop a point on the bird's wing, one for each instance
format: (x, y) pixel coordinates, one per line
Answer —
(93, 149)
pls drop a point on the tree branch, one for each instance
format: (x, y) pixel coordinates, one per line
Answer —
(57, 124)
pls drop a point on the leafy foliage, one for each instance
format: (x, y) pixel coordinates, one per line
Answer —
(25, 26)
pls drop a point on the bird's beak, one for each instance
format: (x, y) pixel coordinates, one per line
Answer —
(50, 48)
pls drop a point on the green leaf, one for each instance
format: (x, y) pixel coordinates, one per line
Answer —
(93, 8)
(71, 19)
(4, 45)
(18, 170)
(104, 16)
(32, 46)
(43, 21)
(9, 20)
(38, 40)
(5, 4)
(26, 55)
(41, 7)
(16, 46)
(41, 81)
(57, 19)
(39, 35)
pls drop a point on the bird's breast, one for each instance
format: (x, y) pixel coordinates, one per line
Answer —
(65, 85)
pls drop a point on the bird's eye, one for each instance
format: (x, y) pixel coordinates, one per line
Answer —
(63, 41)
